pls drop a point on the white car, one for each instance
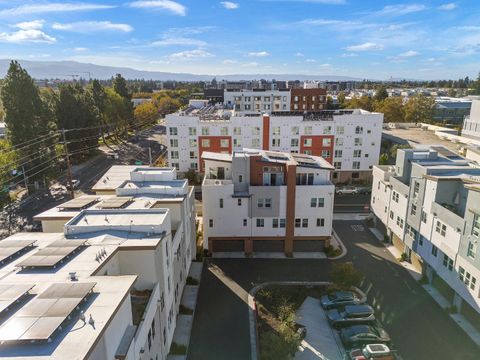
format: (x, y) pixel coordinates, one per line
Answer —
(346, 190)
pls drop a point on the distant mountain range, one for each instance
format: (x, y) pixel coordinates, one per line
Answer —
(65, 70)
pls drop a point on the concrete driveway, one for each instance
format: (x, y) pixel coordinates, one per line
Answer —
(321, 342)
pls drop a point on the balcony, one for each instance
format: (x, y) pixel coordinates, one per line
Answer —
(217, 182)
(449, 214)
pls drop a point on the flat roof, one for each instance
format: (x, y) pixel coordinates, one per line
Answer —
(114, 177)
(123, 217)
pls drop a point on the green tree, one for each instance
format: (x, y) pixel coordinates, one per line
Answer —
(392, 109)
(167, 105)
(145, 112)
(419, 108)
(341, 99)
(452, 93)
(381, 93)
(363, 102)
(344, 275)
(121, 88)
(383, 159)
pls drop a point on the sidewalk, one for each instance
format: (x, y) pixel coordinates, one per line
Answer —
(183, 329)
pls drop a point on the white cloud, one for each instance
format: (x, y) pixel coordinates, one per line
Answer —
(51, 8)
(368, 46)
(448, 7)
(250, 64)
(171, 6)
(92, 26)
(80, 49)
(310, 60)
(190, 55)
(400, 9)
(409, 53)
(30, 35)
(29, 25)
(229, 62)
(178, 41)
(299, 54)
(229, 5)
(258, 54)
(326, 2)
(347, 55)
(326, 65)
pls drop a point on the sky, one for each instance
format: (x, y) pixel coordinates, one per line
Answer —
(377, 39)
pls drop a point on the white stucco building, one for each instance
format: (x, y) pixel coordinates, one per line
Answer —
(256, 201)
(123, 254)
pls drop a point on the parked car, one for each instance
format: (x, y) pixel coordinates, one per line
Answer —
(75, 183)
(364, 190)
(358, 335)
(351, 315)
(372, 352)
(338, 299)
(346, 190)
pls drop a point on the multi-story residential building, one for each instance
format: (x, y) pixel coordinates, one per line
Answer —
(308, 99)
(471, 124)
(106, 280)
(260, 100)
(429, 205)
(255, 201)
(348, 139)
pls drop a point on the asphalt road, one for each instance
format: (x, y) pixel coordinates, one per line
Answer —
(351, 203)
(421, 330)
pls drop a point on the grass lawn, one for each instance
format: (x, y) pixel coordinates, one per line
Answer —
(276, 306)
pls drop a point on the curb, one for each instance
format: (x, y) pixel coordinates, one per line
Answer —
(342, 246)
(252, 308)
(194, 309)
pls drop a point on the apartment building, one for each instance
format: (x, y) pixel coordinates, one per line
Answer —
(106, 280)
(350, 140)
(308, 99)
(257, 100)
(471, 124)
(428, 204)
(256, 201)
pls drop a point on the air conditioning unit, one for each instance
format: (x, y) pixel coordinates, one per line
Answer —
(218, 182)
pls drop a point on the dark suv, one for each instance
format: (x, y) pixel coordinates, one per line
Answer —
(358, 335)
(351, 315)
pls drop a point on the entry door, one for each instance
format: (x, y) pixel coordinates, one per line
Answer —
(221, 173)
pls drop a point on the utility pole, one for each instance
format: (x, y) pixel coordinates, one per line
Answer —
(150, 156)
(69, 166)
(25, 179)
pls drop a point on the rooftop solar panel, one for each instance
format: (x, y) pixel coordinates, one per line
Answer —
(9, 294)
(79, 203)
(12, 248)
(53, 254)
(43, 315)
(115, 203)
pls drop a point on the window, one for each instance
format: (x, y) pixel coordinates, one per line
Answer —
(307, 152)
(326, 153)
(210, 223)
(282, 223)
(237, 142)
(193, 166)
(358, 142)
(413, 210)
(399, 222)
(304, 179)
(244, 222)
(205, 143)
(320, 222)
(298, 223)
(173, 131)
(441, 228)
(356, 165)
(295, 130)
(260, 222)
(423, 217)
(224, 143)
(416, 189)
(447, 262)
(359, 130)
(175, 165)
(256, 130)
(327, 130)
(340, 130)
(173, 154)
(264, 203)
(395, 196)
(471, 250)
(276, 130)
(275, 223)
(255, 143)
(411, 232)
(308, 130)
(294, 142)
(391, 214)
(193, 142)
(221, 203)
(307, 142)
(467, 278)
(357, 153)
(173, 142)
(304, 223)
(205, 130)
(338, 141)
(337, 165)
(317, 202)
(224, 131)
(192, 131)
(420, 240)
(239, 202)
(326, 142)
(237, 131)
(240, 179)
(434, 250)
(275, 142)
(476, 226)
(193, 155)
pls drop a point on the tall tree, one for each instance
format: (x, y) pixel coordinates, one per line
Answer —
(392, 109)
(121, 88)
(381, 93)
(419, 108)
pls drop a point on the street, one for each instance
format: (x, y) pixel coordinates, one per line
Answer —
(352, 203)
(419, 327)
